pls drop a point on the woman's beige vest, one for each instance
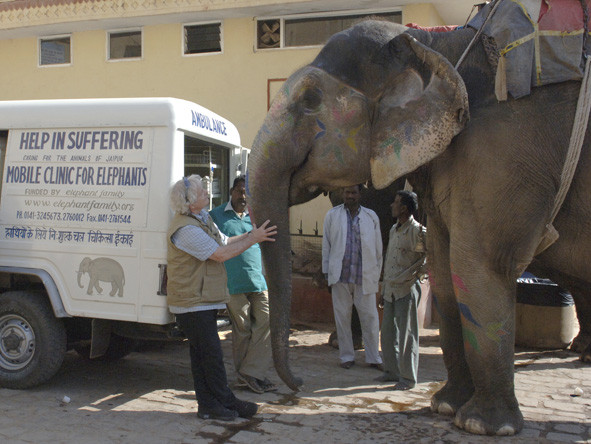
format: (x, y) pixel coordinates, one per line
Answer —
(192, 282)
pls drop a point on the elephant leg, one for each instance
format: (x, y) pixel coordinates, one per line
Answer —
(114, 288)
(486, 301)
(458, 388)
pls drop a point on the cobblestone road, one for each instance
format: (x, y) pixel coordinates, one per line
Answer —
(147, 398)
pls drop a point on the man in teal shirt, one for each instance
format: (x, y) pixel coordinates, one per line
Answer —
(249, 301)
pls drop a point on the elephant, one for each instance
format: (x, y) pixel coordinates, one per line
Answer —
(102, 269)
(382, 101)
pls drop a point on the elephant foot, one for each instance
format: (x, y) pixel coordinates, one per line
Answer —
(581, 342)
(448, 400)
(490, 416)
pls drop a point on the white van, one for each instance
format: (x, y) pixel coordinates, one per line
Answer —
(83, 219)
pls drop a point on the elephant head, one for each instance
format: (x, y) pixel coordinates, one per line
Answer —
(375, 103)
(84, 268)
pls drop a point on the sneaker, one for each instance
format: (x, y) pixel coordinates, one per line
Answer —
(220, 413)
(251, 383)
(245, 409)
(347, 365)
(267, 385)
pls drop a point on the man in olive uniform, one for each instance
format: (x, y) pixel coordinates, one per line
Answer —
(401, 293)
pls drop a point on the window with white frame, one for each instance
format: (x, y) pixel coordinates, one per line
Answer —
(202, 38)
(125, 44)
(54, 50)
(311, 30)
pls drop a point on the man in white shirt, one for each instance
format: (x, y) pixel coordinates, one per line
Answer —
(351, 262)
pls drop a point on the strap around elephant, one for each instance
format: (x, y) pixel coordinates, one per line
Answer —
(572, 156)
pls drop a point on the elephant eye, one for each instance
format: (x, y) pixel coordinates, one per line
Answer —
(311, 99)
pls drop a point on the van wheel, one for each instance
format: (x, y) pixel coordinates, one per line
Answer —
(119, 347)
(32, 340)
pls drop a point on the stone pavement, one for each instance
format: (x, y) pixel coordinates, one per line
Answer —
(147, 398)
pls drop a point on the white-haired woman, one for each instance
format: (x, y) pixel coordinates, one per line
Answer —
(197, 289)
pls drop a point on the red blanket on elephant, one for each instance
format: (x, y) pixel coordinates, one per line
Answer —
(537, 42)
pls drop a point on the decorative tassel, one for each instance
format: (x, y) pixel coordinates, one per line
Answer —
(501, 80)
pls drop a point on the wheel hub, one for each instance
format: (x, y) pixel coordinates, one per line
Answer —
(17, 342)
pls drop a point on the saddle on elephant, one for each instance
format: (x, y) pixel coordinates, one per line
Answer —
(534, 42)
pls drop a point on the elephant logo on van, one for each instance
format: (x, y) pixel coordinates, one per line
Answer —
(102, 269)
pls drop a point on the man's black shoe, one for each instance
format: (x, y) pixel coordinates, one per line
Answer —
(245, 409)
(220, 413)
(347, 365)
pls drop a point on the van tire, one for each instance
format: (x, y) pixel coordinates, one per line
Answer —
(32, 340)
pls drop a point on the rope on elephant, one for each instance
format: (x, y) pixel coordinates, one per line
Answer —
(572, 156)
(576, 139)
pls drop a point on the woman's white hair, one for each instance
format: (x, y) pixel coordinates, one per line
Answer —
(184, 192)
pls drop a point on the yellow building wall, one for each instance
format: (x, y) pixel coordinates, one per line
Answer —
(423, 14)
(232, 84)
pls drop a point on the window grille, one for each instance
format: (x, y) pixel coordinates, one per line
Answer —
(125, 45)
(201, 39)
(54, 51)
(310, 31)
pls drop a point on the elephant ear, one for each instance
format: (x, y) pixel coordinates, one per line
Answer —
(413, 123)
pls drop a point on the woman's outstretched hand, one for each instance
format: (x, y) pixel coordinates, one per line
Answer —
(263, 233)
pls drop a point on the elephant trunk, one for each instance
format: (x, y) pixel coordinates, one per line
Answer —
(269, 200)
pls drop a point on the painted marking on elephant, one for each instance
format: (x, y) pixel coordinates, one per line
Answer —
(458, 283)
(431, 280)
(343, 116)
(467, 314)
(495, 331)
(321, 129)
(268, 143)
(351, 138)
(408, 131)
(279, 101)
(438, 308)
(267, 146)
(391, 145)
(470, 340)
(335, 150)
(288, 118)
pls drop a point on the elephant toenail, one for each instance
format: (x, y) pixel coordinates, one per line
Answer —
(506, 430)
(446, 409)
